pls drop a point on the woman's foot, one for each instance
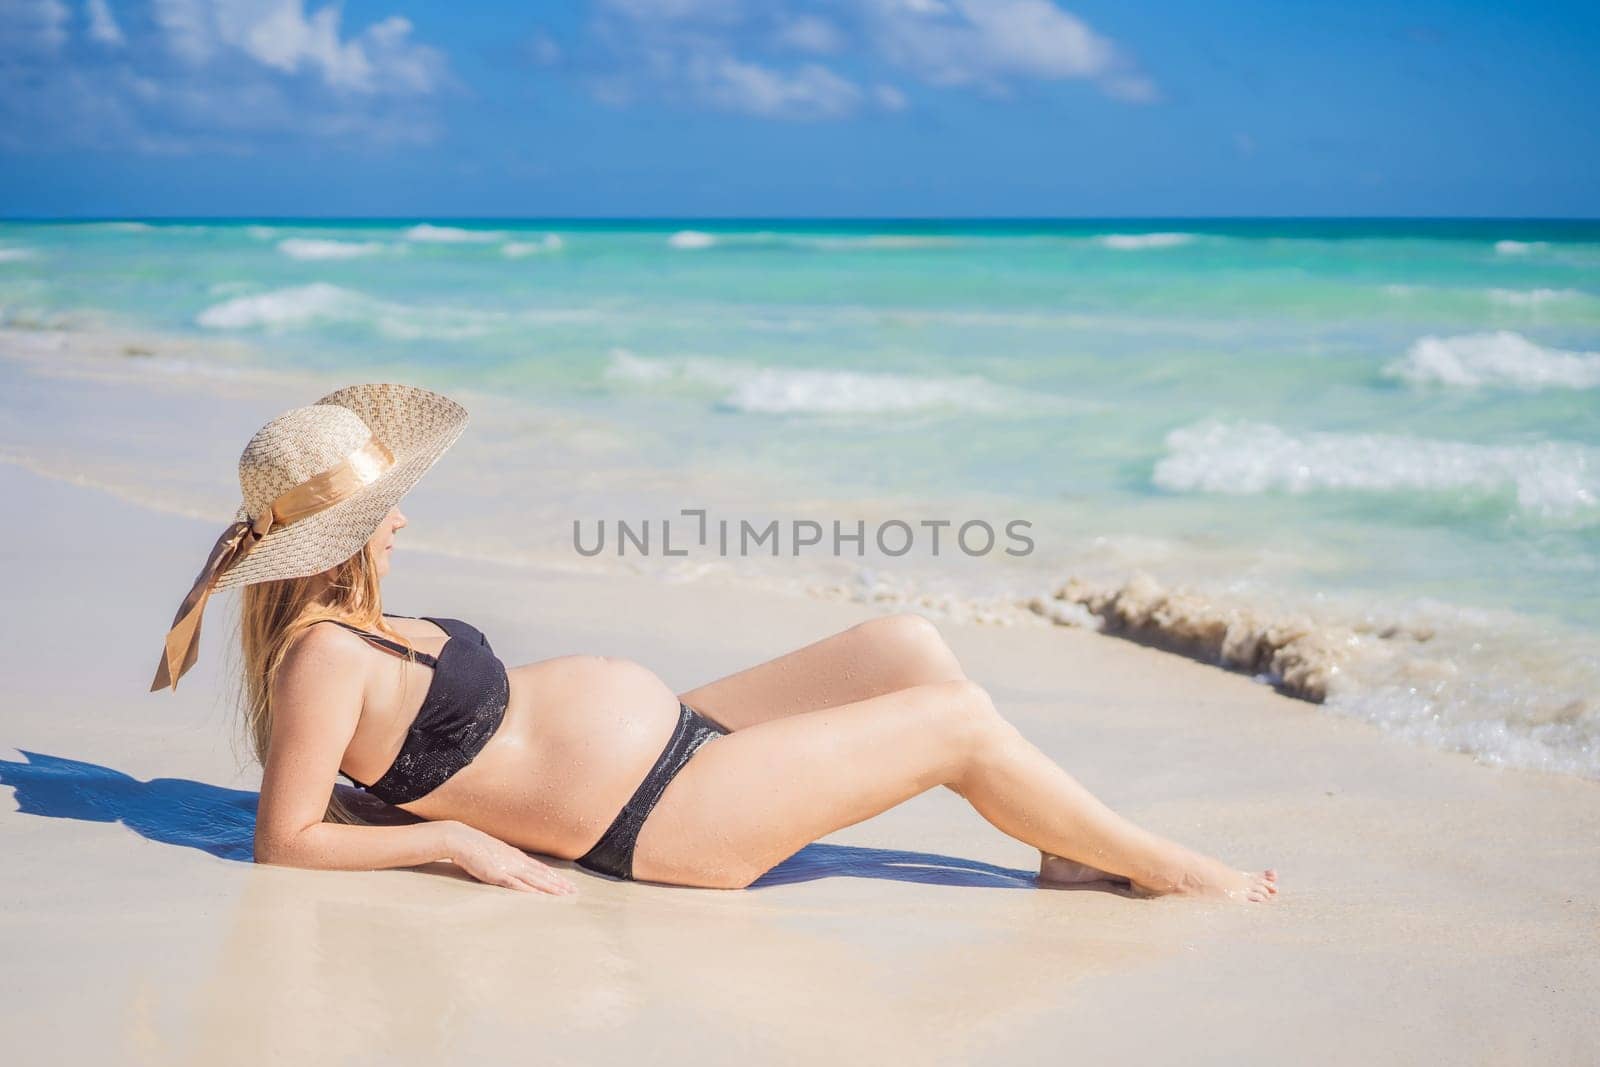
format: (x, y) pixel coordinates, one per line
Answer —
(1058, 870)
(1203, 876)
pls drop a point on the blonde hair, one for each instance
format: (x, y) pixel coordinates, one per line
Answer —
(273, 613)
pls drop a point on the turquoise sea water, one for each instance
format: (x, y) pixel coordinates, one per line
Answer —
(1386, 419)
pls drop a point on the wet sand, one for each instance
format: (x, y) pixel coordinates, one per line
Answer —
(1431, 907)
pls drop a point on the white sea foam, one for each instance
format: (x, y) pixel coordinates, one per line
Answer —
(1132, 242)
(1550, 478)
(849, 392)
(429, 234)
(15, 253)
(1532, 297)
(1509, 690)
(280, 307)
(1519, 248)
(261, 233)
(770, 390)
(304, 306)
(309, 248)
(691, 239)
(517, 249)
(1501, 358)
(876, 242)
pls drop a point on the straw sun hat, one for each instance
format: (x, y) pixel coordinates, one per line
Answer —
(316, 482)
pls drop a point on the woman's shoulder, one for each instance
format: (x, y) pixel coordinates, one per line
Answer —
(321, 662)
(322, 643)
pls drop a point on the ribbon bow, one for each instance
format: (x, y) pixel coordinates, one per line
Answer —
(350, 476)
(183, 640)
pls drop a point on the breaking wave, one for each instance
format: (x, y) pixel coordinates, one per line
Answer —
(305, 306)
(769, 390)
(430, 234)
(1133, 242)
(1500, 358)
(517, 249)
(312, 249)
(1549, 478)
(1491, 685)
(1533, 297)
(691, 239)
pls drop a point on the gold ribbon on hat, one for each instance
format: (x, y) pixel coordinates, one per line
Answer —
(321, 491)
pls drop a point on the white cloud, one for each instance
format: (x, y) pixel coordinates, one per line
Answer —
(889, 98)
(103, 28)
(810, 92)
(35, 25)
(808, 33)
(175, 76)
(738, 54)
(677, 10)
(989, 43)
(280, 35)
(186, 26)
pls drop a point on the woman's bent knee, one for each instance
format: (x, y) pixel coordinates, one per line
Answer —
(904, 626)
(963, 709)
(913, 638)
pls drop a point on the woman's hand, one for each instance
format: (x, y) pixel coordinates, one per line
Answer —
(491, 860)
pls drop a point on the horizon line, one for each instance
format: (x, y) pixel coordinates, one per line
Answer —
(424, 217)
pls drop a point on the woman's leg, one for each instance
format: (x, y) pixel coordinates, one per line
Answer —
(869, 659)
(881, 655)
(748, 800)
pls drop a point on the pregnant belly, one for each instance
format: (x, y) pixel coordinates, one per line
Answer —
(579, 735)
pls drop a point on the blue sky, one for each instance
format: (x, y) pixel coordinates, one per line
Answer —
(779, 108)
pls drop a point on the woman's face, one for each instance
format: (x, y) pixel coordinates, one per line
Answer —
(382, 540)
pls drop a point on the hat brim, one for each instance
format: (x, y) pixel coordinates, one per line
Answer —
(416, 425)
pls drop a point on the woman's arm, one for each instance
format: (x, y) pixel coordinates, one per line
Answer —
(316, 703)
(331, 846)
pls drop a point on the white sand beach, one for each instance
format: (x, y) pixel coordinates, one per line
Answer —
(1432, 908)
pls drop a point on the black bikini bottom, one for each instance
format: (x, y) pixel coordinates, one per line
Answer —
(613, 853)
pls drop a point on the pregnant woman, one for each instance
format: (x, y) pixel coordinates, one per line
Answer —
(586, 758)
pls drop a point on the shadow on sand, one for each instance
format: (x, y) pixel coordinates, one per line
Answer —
(221, 822)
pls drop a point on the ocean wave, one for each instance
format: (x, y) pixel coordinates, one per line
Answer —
(1499, 687)
(16, 253)
(1519, 248)
(261, 233)
(279, 308)
(1517, 298)
(876, 242)
(1533, 297)
(430, 234)
(314, 249)
(791, 391)
(1551, 479)
(1132, 242)
(691, 239)
(772, 391)
(517, 249)
(1499, 358)
(133, 226)
(303, 306)
(1300, 656)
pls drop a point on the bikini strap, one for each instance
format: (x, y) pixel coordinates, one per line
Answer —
(393, 646)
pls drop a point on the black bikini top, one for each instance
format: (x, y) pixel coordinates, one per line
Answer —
(466, 700)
